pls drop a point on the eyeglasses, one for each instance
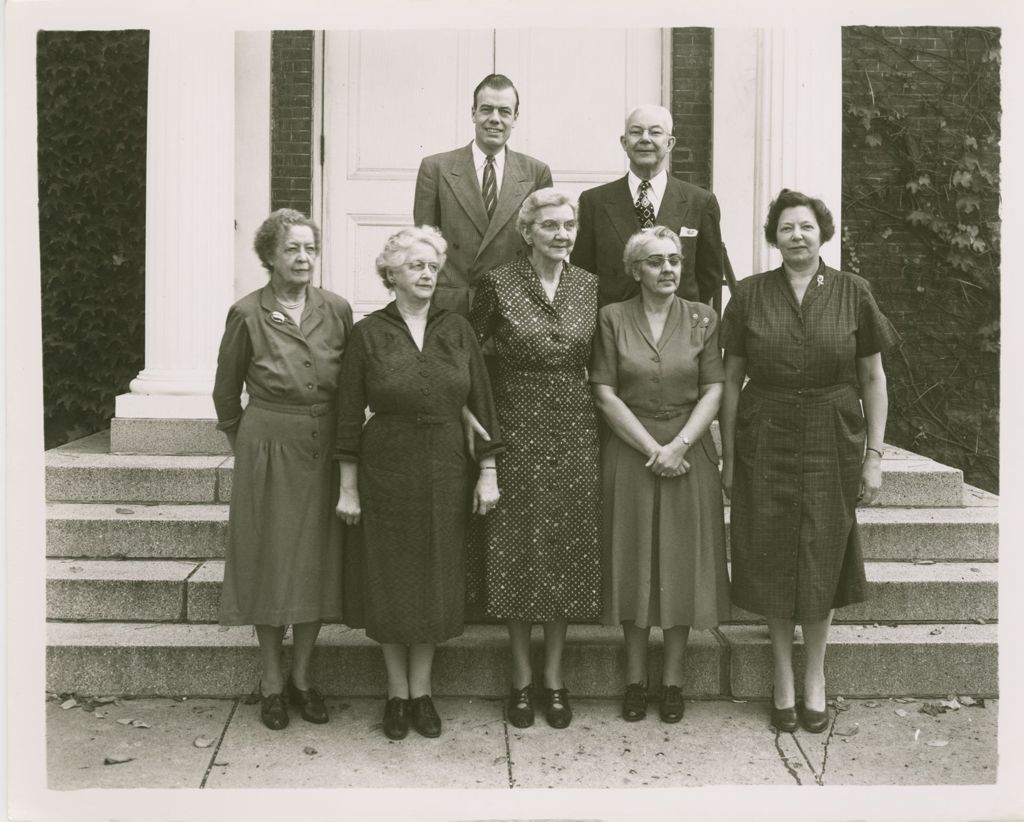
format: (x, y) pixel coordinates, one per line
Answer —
(421, 265)
(658, 260)
(551, 226)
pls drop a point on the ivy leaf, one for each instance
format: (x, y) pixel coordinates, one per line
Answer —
(918, 217)
(873, 140)
(962, 179)
(968, 203)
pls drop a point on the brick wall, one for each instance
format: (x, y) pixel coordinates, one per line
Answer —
(692, 71)
(291, 113)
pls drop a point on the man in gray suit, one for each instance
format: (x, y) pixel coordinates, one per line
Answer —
(648, 196)
(473, 194)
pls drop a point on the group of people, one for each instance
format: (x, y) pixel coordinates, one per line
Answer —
(541, 390)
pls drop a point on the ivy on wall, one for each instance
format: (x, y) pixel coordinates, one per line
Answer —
(921, 130)
(91, 91)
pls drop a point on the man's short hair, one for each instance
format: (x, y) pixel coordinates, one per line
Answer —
(498, 82)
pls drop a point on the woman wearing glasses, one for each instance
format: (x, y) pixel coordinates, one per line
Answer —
(404, 475)
(542, 543)
(657, 375)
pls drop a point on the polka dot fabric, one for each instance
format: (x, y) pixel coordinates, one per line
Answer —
(542, 541)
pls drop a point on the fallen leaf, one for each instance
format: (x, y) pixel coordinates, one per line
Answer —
(222, 764)
(138, 723)
(124, 510)
(904, 699)
(952, 704)
(917, 734)
(924, 562)
(932, 709)
(125, 721)
(68, 703)
(967, 701)
(935, 632)
(98, 715)
(937, 743)
(104, 700)
(76, 569)
(309, 750)
(851, 731)
(870, 704)
(117, 759)
(741, 701)
(203, 742)
(901, 712)
(840, 699)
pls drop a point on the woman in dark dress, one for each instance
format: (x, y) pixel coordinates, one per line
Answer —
(799, 453)
(657, 377)
(404, 475)
(284, 343)
(542, 543)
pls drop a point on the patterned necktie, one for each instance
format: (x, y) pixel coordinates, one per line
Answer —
(644, 209)
(490, 189)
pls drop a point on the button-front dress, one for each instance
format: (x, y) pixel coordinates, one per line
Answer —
(663, 537)
(405, 562)
(542, 554)
(283, 560)
(799, 440)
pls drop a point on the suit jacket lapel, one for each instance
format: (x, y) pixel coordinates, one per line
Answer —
(621, 212)
(515, 185)
(675, 208)
(284, 325)
(461, 176)
(313, 314)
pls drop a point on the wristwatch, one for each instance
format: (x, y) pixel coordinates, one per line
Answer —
(683, 439)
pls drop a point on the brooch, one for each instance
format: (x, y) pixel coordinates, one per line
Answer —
(277, 316)
(821, 280)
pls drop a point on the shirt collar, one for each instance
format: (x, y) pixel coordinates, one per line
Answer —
(658, 183)
(480, 159)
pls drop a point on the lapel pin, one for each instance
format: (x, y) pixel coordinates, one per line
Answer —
(277, 316)
(821, 280)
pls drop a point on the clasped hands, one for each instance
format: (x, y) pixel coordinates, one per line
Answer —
(669, 460)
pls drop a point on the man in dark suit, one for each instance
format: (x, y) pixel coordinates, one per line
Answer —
(648, 196)
(473, 194)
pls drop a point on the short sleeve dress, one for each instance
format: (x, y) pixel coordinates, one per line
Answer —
(663, 538)
(405, 562)
(799, 440)
(283, 563)
(542, 540)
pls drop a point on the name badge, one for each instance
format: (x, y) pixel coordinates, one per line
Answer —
(687, 232)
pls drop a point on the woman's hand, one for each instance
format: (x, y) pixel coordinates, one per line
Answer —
(870, 478)
(471, 425)
(486, 494)
(669, 460)
(348, 508)
(727, 477)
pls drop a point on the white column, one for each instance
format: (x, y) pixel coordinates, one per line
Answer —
(798, 126)
(189, 221)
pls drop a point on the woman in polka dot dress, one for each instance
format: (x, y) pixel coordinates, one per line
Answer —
(542, 540)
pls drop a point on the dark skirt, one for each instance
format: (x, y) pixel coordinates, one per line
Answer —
(283, 562)
(795, 548)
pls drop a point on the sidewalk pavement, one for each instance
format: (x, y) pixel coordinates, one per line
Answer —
(221, 743)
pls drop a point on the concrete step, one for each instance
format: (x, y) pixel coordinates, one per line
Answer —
(131, 530)
(865, 660)
(204, 660)
(115, 530)
(174, 591)
(903, 592)
(85, 471)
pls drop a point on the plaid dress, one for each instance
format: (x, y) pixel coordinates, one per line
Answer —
(799, 441)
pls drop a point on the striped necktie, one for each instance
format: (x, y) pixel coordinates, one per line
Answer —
(490, 190)
(644, 209)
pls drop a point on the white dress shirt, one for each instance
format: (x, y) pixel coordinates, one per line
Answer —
(480, 160)
(656, 191)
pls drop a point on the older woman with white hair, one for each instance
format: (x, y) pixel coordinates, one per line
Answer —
(405, 479)
(542, 543)
(657, 375)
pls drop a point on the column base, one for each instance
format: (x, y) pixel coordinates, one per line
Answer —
(166, 437)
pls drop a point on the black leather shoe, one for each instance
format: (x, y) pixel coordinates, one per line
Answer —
(396, 718)
(519, 707)
(672, 706)
(309, 702)
(634, 703)
(784, 719)
(813, 721)
(557, 710)
(272, 710)
(424, 718)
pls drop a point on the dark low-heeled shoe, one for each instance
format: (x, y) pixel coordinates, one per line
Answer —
(396, 718)
(519, 707)
(557, 710)
(813, 721)
(310, 703)
(672, 706)
(784, 719)
(424, 717)
(272, 710)
(634, 702)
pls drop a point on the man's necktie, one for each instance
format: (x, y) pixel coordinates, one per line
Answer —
(490, 190)
(644, 209)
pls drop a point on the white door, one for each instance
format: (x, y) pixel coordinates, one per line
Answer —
(393, 97)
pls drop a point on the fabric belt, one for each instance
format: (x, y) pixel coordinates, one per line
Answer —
(800, 395)
(320, 409)
(420, 419)
(664, 413)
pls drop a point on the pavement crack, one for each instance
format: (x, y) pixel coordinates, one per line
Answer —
(508, 756)
(785, 759)
(220, 739)
(824, 755)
